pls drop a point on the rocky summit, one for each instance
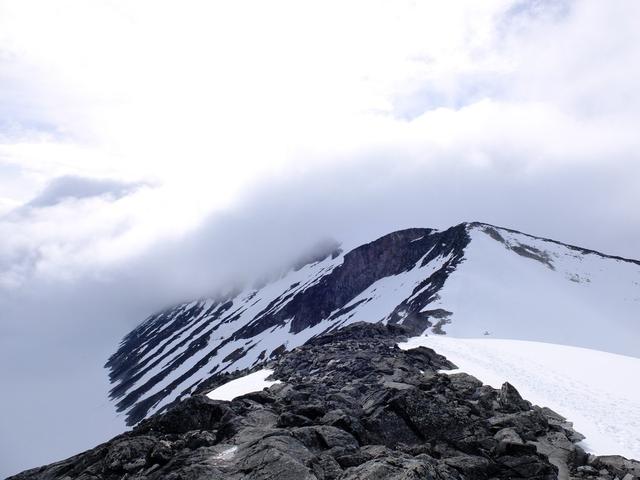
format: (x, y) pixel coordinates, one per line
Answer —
(350, 405)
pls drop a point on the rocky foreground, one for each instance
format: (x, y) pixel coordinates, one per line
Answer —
(351, 406)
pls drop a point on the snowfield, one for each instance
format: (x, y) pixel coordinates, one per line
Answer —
(599, 392)
(564, 296)
(254, 382)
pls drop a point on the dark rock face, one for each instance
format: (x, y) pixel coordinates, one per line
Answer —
(351, 405)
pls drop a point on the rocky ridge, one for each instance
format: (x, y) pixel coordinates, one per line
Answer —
(351, 405)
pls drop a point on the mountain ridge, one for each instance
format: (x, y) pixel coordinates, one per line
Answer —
(421, 278)
(569, 245)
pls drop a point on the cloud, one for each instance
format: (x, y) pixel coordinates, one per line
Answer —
(56, 233)
(73, 187)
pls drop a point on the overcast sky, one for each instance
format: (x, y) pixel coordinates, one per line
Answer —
(154, 151)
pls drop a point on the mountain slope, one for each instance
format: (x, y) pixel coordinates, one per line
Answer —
(465, 280)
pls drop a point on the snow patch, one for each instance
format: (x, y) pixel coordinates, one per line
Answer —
(226, 454)
(254, 382)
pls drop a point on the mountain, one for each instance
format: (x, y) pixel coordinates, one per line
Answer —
(350, 405)
(470, 280)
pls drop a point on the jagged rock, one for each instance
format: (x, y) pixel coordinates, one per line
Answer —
(350, 406)
(508, 435)
(510, 400)
(558, 420)
(129, 454)
(560, 451)
(161, 452)
(588, 469)
(465, 382)
(395, 466)
(292, 420)
(617, 464)
(528, 466)
(195, 413)
(471, 466)
(323, 437)
(529, 425)
(199, 438)
(510, 443)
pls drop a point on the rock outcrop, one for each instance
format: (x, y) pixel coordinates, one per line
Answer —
(350, 405)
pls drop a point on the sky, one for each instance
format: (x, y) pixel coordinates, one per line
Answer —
(156, 151)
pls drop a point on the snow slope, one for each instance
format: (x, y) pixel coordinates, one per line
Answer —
(253, 382)
(563, 296)
(598, 391)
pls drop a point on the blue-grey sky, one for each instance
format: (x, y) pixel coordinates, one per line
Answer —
(209, 142)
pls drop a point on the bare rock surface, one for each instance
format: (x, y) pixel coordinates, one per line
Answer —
(350, 406)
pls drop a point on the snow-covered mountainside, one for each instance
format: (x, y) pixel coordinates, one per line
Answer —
(469, 280)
